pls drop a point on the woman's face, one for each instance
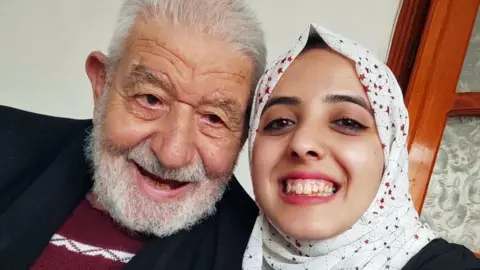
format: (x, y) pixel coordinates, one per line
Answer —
(317, 157)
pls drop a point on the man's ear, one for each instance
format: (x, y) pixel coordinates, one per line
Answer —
(96, 68)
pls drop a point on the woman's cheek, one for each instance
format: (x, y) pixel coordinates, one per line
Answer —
(358, 157)
(265, 157)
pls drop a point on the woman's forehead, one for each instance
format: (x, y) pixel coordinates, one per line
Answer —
(320, 72)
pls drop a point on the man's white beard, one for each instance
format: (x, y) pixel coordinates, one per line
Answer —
(116, 191)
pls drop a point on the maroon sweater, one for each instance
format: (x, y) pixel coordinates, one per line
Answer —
(89, 239)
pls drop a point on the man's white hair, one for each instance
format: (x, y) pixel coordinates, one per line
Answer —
(231, 21)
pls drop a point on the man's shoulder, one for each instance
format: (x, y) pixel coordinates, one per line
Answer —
(238, 209)
(440, 254)
(11, 116)
(236, 214)
(238, 200)
(32, 128)
(30, 141)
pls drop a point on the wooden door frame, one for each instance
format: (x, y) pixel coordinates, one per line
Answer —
(420, 35)
(438, 53)
(448, 29)
(406, 39)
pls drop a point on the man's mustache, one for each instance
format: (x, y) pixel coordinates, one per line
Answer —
(143, 155)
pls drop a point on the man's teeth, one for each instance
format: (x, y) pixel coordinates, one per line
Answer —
(160, 186)
(309, 187)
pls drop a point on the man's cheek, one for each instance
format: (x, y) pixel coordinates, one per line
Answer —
(219, 159)
(125, 132)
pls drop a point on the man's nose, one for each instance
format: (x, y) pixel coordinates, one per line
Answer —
(174, 146)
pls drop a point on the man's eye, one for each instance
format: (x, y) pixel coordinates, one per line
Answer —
(278, 124)
(149, 100)
(152, 100)
(213, 120)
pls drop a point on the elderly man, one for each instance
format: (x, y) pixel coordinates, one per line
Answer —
(171, 100)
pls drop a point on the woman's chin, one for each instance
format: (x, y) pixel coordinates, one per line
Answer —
(313, 231)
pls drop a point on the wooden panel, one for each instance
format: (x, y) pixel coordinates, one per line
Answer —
(466, 104)
(432, 88)
(406, 39)
(416, 96)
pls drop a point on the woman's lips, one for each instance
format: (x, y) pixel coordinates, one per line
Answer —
(307, 188)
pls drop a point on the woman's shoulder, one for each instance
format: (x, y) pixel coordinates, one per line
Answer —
(440, 254)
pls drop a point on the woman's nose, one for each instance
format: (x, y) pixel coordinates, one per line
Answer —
(307, 145)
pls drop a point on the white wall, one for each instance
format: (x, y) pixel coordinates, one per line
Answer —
(43, 45)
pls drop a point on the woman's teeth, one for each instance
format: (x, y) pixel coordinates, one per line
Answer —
(309, 187)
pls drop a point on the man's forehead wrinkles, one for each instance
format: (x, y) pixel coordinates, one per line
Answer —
(190, 63)
(153, 47)
(224, 75)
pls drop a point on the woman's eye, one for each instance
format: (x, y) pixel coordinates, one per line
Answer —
(149, 100)
(350, 124)
(278, 124)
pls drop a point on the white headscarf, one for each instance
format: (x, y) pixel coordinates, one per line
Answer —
(389, 233)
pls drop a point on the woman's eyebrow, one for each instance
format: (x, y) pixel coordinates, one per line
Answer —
(358, 100)
(282, 100)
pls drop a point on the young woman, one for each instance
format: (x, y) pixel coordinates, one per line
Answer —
(330, 166)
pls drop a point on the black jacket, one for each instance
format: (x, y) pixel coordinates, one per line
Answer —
(441, 255)
(44, 175)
